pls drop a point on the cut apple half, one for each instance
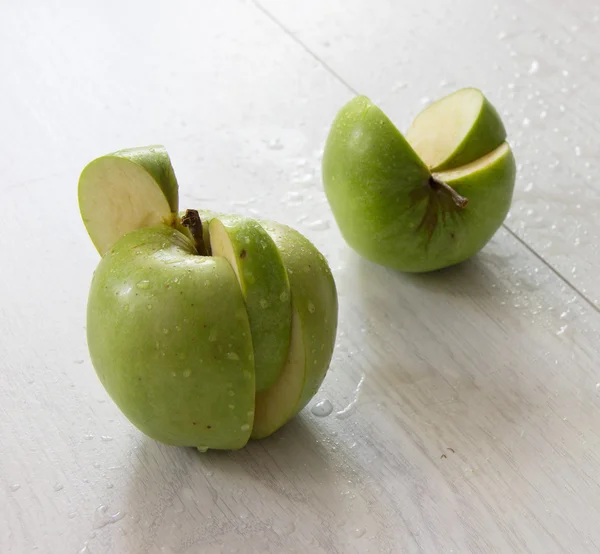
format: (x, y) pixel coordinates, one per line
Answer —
(456, 130)
(265, 287)
(314, 325)
(124, 191)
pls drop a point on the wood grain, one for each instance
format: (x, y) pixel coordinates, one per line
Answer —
(466, 403)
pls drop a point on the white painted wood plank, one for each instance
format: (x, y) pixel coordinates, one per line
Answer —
(536, 60)
(466, 409)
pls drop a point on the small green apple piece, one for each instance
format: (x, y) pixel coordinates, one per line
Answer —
(456, 130)
(265, 287)
(314, 325)
(170, 340)
(127, 190)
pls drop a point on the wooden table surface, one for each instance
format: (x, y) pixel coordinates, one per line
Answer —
(466, 403)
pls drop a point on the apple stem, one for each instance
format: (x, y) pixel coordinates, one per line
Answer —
(438, 185)
(192, 221)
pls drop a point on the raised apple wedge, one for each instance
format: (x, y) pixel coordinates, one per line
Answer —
(427, 201)
(109, 209)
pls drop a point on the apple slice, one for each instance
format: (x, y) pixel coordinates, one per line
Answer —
(456, 130)
(127, 190)
(488, 184)
(314, 325)
(169, 337)
(265, 287)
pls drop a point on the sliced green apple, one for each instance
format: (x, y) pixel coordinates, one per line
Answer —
(314, 325)
(169, 337)
(396, 211)
(265, 287)
(127, 190)
(456, 130)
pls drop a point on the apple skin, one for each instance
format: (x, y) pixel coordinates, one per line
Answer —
(378, 190)
(265, 287)
(169, 337)
(314, 328)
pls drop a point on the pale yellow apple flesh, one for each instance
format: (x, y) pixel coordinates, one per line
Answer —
(456, 130)
(124, 191)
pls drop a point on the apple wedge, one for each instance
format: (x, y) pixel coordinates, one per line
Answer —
(456, 130)
(169, 337)
(127, 190)
(265, 287)
(314, 325)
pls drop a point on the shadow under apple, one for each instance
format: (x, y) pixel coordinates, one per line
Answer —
(184, 497)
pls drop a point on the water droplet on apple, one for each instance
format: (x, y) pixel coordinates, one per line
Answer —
(283, 296)
(323, 408)
(15, 487)
(231, 406)
(144, 284)
(231, 393)
(166, 331)
(311, 308)
(232, 356)
(187, 372)
(264, 303)
(212, 336)
(149, 306)
(245, 427)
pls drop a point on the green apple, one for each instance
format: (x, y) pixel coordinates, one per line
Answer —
(398, 208)
(206, 329)
(110, 210)
(314, 324)
(263, 280)
(168, 334)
